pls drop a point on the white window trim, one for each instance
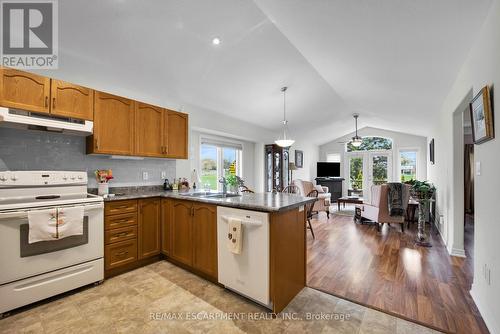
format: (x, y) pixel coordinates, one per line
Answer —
(218, 143)
(408, 149)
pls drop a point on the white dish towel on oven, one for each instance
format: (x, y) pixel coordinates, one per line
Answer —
(43, 225)
(234, 235)
(54, 224)
(70, 221)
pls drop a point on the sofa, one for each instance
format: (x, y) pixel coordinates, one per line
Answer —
(378, 209)
(324, 196)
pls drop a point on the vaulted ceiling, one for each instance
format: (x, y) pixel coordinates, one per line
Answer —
(392, 61)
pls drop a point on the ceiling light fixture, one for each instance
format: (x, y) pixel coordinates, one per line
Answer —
(356, 140)
(216, 41)
(284, 139)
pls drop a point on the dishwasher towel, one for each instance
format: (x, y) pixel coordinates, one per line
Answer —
(70, 221)
(234, 235)
(43, 225)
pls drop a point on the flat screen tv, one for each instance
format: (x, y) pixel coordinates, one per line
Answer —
(328, 169)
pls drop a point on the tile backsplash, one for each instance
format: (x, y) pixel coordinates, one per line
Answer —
(38, 150)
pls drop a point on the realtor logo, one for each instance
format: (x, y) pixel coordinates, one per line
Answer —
(29, 34)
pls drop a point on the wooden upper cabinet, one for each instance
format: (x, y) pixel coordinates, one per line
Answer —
(71, 100)
(149, 130)
(181, 245)
(205, 238)
(176, 125)
(149, 228)
(26, 91)
(113, 125)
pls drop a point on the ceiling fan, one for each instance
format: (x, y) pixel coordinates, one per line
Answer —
(356, 141)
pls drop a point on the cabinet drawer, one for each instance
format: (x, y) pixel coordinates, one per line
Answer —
(118, 221)
(118, 207)
(120, 234)
(120, 253)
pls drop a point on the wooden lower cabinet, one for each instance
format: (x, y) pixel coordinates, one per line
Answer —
(165, 226)
(149, 228)
(132, 234)
(181, 245)
(193, 235)
(120, 253)
(205, 238)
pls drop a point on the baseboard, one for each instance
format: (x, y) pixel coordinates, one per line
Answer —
(442, 238)
(457, 252)
(488, 318)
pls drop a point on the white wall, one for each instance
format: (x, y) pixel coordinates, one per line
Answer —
(400, 141)
(481, 68)
(311, 156)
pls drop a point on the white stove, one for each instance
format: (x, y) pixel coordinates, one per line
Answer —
(31, 272)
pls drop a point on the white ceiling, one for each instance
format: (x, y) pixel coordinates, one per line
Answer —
(392, 61)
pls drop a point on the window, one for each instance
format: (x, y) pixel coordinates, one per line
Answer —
(371, 144)
(217, 159)
(333, 157)
(408, 165)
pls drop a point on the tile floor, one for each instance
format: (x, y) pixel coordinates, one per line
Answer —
(145, 301)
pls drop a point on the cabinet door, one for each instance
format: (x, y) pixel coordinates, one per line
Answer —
(113, 125)
(181, 246)
(149, 130)
(71, 100)
(205, 238)
(22, 90)
(177, 134)
(165, 226)
(149, 228)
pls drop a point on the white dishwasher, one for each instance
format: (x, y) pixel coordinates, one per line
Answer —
(246, 273)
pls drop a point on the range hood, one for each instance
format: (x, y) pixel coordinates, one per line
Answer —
(21, 119)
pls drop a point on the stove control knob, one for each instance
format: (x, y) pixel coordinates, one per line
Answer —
(2, 177)
(80, 177)
(72, 177)
(14, 177)
(65, 177)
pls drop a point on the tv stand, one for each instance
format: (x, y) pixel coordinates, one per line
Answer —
(334, 185)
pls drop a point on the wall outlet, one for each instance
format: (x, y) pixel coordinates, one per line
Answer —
(145, 176)
(478, 168)
(163, 174)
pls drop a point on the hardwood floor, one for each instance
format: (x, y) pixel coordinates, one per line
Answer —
(386, 271)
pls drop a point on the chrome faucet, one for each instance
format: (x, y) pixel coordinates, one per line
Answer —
(224, 185)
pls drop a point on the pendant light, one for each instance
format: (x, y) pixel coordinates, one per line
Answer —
(284, 140)
(356, 140)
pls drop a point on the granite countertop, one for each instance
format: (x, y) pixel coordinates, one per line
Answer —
(267, 202)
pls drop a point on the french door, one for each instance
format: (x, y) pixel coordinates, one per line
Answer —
(363, 170)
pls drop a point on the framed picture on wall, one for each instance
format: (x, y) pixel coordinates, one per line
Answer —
(481, 115)
(431, 151)
(299, 159)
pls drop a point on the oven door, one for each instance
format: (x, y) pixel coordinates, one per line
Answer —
(19, 259)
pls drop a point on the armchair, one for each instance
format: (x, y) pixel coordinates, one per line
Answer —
(323, 202)
(378, 209)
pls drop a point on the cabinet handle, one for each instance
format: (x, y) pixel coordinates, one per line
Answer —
(46, 101)
(53, 102)
(166, 148)
(122, 253)
(121, 234)
(96, 143)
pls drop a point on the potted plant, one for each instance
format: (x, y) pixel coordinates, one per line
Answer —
(423, 192)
